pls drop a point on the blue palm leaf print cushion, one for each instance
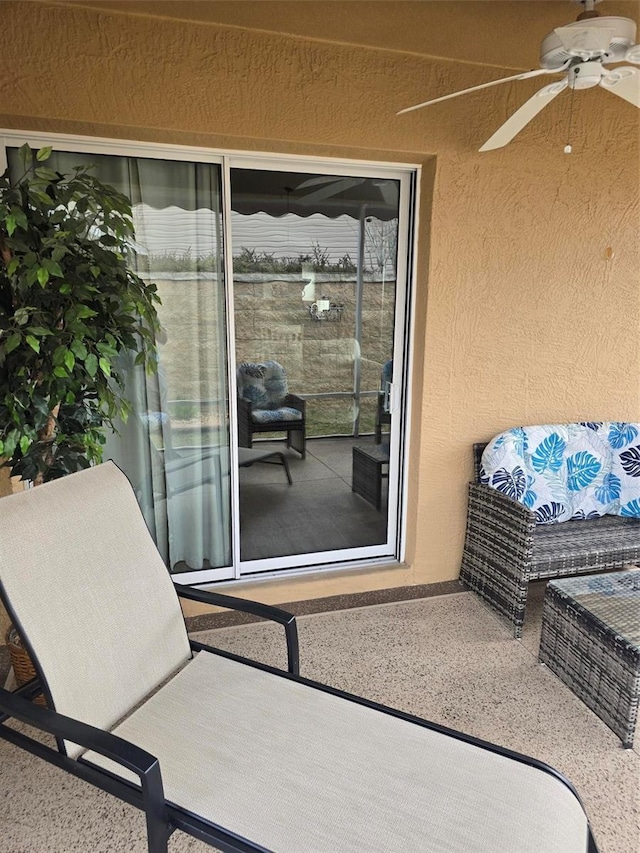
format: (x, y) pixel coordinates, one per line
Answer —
(609, 490)
(562, 471)
(511, 483)
(631, 509)
(548, 455)
(549, 513)
(582, 469)
(630, 461)
(621, 434)
(529, 498)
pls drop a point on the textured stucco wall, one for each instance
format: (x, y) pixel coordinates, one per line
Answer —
(520, 316)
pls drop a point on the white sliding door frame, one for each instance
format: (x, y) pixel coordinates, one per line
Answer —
(408, 177)
(389, 551)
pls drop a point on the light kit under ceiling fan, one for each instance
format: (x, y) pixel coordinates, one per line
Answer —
(580, 51)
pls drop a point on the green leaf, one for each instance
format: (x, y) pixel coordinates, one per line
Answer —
(91, 365)
(69, 360)
(10, 443)
(105, 366)
(25, 156)
(46, 174)
(21, 316)
(11, 224)
(60, 371)
(83, 311)
(39, 330)
(34, 343)
(12, 342)
(54, 268)
(65, 288)
(37, 195)
(79, 349)
(21, 218)
(95, 271)
(14, 263)
(106, 350)
(58, 354)
(43, 276)
(59, 251)
(43, 153)
(25, 443)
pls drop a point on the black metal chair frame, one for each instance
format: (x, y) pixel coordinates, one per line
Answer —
(296, 430)
(162, 818)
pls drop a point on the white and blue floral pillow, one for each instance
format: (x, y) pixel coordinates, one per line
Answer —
(564, 471)
(265, 386)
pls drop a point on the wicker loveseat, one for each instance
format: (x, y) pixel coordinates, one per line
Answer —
(588, 523)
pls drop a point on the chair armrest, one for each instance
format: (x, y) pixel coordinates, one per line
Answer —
(501, 526)
(296, 402)
(244, 422)
(256, 608)
(244, 405)
(144, 765)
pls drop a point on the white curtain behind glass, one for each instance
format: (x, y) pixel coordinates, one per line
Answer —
(175, 445)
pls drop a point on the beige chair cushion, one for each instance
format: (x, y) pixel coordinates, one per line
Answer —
(91, 593)
(295, 769)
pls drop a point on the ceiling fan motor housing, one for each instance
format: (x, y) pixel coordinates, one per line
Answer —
(585, 75)
(606, 39)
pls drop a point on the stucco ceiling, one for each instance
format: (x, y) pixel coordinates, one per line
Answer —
(501, 33)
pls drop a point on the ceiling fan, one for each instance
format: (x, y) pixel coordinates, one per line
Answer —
(579, 51)
(331, 185)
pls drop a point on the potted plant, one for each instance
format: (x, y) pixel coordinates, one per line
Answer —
(70, 307)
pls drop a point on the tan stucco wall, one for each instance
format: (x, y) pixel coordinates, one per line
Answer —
(520, 317)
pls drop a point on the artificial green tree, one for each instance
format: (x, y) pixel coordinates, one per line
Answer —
(70, 307)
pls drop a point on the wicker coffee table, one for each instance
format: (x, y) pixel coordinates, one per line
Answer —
(591, 640)
(370, 467)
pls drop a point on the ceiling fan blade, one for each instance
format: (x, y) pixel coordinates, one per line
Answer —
(625, 82)
(389, 192)
(317, 181)
(523, 116)
(633, 54)
(334, 188)
(524, 76)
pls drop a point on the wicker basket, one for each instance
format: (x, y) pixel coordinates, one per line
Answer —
(23, 668)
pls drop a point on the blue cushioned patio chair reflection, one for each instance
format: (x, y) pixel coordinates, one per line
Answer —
(265, 405)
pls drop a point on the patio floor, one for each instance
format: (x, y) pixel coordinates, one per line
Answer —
(318, 512)
(447, 658)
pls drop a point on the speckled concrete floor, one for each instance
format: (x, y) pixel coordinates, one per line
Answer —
(445, 658)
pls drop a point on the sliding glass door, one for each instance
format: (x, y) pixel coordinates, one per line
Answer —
(316, 282)
(271, 437)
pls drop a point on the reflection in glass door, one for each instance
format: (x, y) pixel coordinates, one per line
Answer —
(301, 467)
(174, 446)
(315, 269)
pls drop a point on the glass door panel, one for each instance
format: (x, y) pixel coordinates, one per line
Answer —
(174, 446)
(314, 280)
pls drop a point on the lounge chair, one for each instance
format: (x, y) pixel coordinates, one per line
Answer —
(239, 754)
